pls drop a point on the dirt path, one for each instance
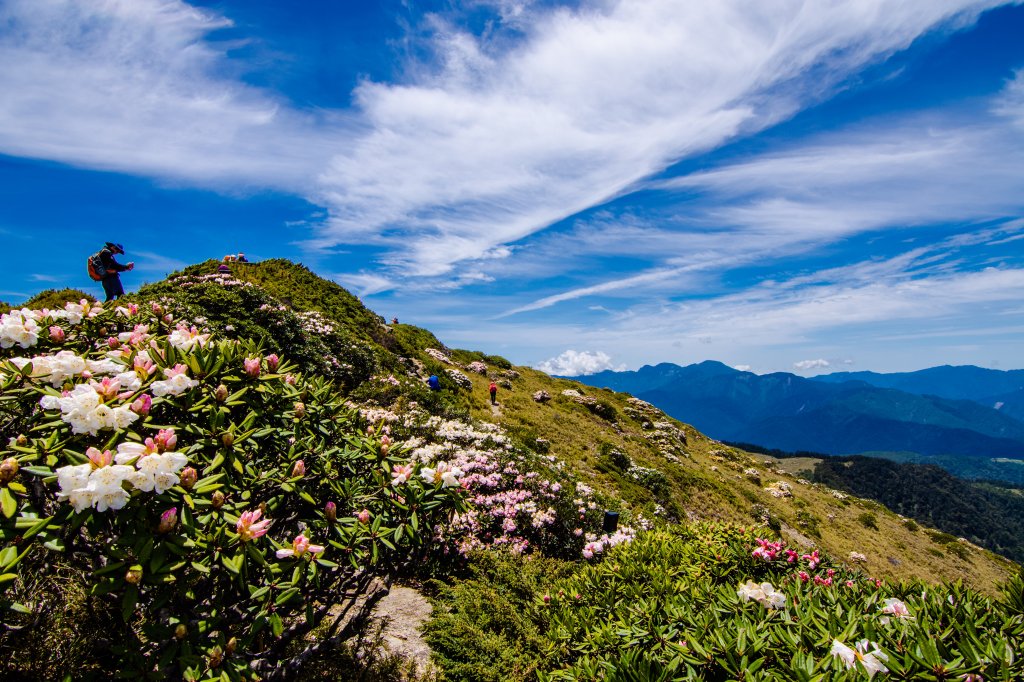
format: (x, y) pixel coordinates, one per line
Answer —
(496, 410)
(404, 611)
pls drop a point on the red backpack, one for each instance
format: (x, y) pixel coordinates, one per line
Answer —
(95, 266)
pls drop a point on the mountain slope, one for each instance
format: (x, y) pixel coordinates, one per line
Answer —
(637, 460)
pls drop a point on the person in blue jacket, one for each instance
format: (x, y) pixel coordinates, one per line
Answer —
(434, 383)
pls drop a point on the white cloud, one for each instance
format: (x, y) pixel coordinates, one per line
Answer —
(35, 277)
(365, 283)
(804, 365)
(741, 368)
(134, 86)
(578, 363)
(496, 145)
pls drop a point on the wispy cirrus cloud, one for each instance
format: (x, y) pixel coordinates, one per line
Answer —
(138, 86)
(496, 144)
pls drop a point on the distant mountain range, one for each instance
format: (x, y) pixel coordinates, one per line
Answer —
(968, 412)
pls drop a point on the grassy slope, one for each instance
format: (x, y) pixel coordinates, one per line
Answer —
(893, 550)
(706, 482)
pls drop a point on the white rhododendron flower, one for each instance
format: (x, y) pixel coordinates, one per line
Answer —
(186, 339)
(868, 654)
(444, 473)
(101, 484)
(83, 408)
(158, 472)
(107, 486)
(19, 327)
(177, 382)
(765, 594)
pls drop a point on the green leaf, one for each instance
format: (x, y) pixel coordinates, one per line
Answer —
(8, 504)
(131, 597)
(276, 626)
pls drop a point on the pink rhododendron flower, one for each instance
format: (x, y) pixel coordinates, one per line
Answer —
(400, 473)
(331, 512)
(249, 526)
(56, 334)
(107, 388)
(251, 366)
(364, 516)
(272, 362)
(142, 404)
(300, 546)
(290, 379)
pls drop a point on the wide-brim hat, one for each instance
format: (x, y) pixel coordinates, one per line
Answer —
(116, 248)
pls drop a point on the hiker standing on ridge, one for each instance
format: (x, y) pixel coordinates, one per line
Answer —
(493, 388)
(110, 269)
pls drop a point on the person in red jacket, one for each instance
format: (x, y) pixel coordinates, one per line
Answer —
(493, 388)
(111, 279)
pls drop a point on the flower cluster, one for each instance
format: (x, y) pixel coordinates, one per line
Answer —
(87, 410)
(596, 545)
(100, 482)
(865, 654)
(177, 382)
(764, 593)
(187, 338)
(518, 501)
(65, 365)
(22, 327)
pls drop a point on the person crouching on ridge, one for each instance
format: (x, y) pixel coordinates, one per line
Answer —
(111, 277)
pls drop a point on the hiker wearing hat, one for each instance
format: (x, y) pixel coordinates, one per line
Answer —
(110, 268)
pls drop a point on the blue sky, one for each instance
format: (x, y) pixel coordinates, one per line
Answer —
(780, 185)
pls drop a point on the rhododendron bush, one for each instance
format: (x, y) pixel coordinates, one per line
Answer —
(717, 602)
(224, 503)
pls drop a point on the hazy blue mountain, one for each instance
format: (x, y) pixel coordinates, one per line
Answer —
(965, 382)
(789, 412)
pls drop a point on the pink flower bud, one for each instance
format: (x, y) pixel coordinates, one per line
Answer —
(364, 516)
(251, 366)
(217, 499)
(300, 410)
(168, 318)
(547, 598)
(56, 334)
(133, 309)
(188, 477)
(112, 342)
(165, 440)
(227, 439)
(299, 470)
(168, 520)
(21, 440)
(290, 379)
(272, 362)
(134, 575)
(331, 512)
(99, 459)
(157, 308)
(142, 404)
